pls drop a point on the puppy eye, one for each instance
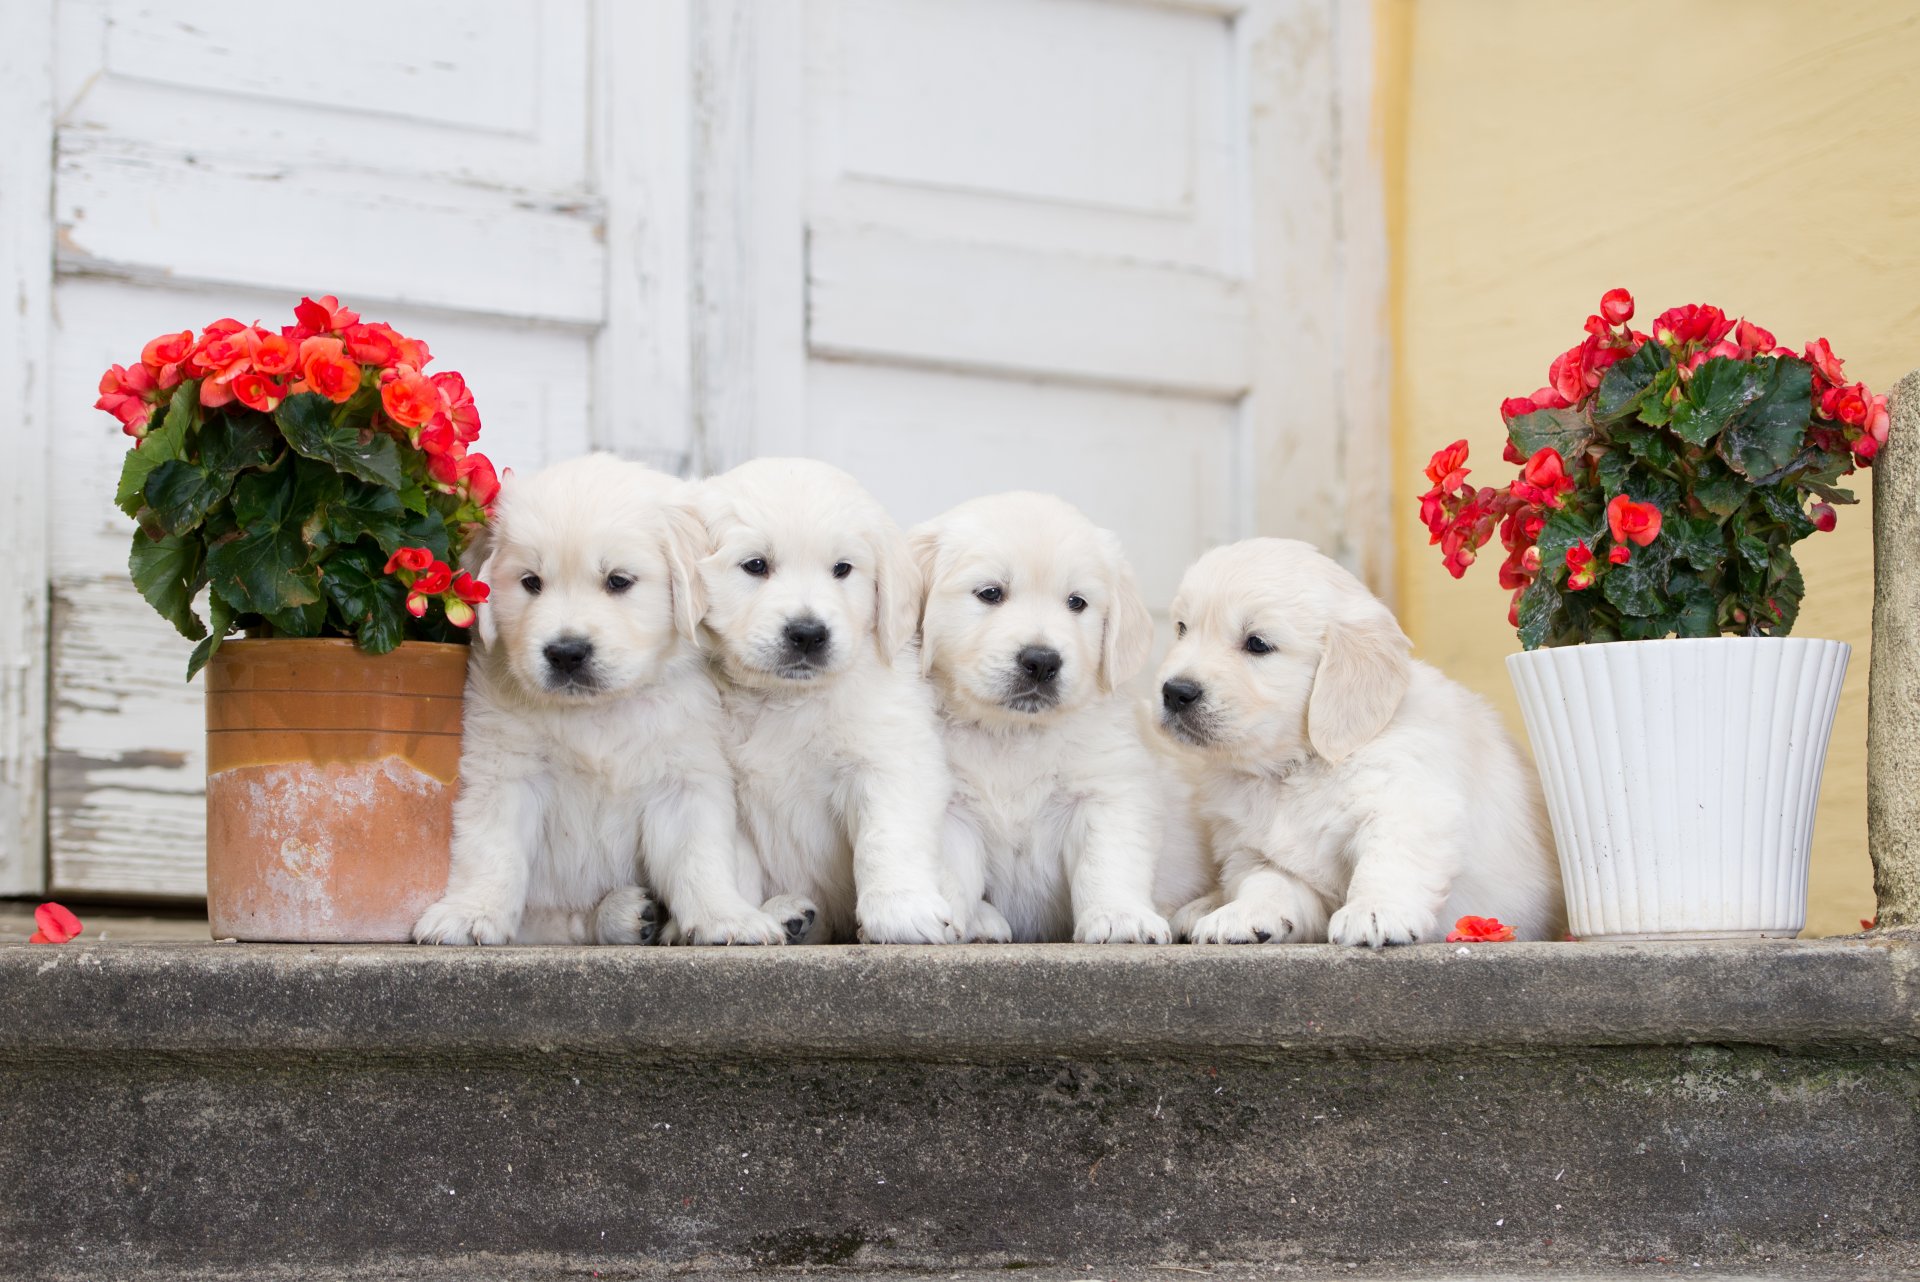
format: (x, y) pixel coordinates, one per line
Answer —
(841, 569)
(1179, 629)
(531, 582)
(756, 566)
(618, 583)
(1256, 645)
(1076, 603)
(991, 595)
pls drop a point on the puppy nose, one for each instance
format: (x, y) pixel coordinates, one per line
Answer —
(1176, 694)
(806, 635)
(1041, 662)
(569, 654)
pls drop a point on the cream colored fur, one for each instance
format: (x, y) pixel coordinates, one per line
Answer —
(841, 780)
(579, 796)
(1352, 794)
(1082, 833)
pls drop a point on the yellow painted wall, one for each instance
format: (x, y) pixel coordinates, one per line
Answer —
(1761, 155)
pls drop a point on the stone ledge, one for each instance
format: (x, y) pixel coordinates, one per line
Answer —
(213, 1111)
(958, 1002)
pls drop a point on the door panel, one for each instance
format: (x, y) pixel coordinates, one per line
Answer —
(1026, 258)
(1157, 469)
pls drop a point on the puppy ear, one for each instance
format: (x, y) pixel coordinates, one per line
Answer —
(477, 559)
(1128, 639)
(923, 544)
(686, 545)
(897, 591)
(1363, 675)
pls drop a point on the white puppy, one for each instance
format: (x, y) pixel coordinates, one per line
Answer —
(811, 602)
(1032, 623)
(591, 764)
(1352, 794)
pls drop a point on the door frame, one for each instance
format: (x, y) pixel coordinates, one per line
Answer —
(26, 286)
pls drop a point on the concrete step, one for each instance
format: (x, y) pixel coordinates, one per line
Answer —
(206, 1110)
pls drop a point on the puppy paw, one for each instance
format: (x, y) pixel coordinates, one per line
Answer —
(1189, 916)
(1243, 922)
(988, 926)
(905, 917)
(448, 922)
(626, 915)
(796, 914)
(1378, 924)
(748, 928)
(1122, 926)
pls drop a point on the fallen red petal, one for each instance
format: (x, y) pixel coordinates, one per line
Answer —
(56, 923)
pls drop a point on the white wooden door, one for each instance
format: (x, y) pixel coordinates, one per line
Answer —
(1122, 250)
(1126, 250)
(434, 164)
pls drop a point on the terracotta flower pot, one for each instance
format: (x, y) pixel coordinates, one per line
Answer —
(330, 783)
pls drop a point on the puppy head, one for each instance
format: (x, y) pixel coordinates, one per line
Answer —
(1279, 652)
(1030, 610)
(590, 564)
(804, 573)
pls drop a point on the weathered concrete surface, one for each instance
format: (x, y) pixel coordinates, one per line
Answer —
(210, 1110)
(1893, 687)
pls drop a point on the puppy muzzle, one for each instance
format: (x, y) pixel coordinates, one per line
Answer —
(1185, 713)
(1032, 685)
(805, 650)
(570, 667)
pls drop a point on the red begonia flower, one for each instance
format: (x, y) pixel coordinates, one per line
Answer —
(1639, 522)
(415, 559)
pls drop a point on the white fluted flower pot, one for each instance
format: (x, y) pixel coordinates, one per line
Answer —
(1682, 778)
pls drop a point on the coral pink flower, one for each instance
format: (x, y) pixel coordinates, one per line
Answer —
(166, 355)
(410, 399)
(482, 482)
(326, 368)
(1617, 306)
(434, 580)
(1819, 354)
(1627, 520)
(1691, 323)
(369, 344)
(412, 559)
(1448, 466)
(322, 316)
(1544, 478)
(459, 403)
(1619, 554)
(275, 356)
(257, 392)
(1751, 340)
(123, 394)
(1580, 561)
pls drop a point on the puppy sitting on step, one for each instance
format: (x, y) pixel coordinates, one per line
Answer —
(591, 764)
(1032, 622)
(811, 600)
(1352, 794)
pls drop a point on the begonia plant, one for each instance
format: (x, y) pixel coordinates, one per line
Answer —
(1664, 478)
(313, 481)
